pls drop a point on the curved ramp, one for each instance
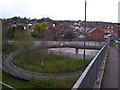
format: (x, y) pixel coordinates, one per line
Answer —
(15, 71)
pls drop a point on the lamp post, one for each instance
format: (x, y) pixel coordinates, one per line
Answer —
(84, 36)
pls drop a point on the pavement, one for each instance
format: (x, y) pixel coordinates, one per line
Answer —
(110, 78)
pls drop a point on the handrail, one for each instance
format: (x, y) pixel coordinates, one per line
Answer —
(84, 74)
(7, 86)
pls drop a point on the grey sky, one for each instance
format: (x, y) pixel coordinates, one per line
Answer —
(97, 10)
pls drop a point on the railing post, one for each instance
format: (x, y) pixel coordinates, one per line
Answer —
(76, 50)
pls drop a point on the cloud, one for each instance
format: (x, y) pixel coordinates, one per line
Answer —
(102, 10)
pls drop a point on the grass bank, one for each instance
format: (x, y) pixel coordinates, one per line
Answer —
(50, 63)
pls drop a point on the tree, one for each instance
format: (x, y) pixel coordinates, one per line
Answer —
(39, 32)
(5, 41)
(68, 34)
(39, 29)
(11, 31)
(19, 27)
(24, 41)
(42, 49)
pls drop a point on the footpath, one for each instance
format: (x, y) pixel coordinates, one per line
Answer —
(110, 78)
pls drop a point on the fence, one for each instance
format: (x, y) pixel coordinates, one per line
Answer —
(89, 76)
(71, 55)
(77, 44)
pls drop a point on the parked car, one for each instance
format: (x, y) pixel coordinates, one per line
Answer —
(116, 41)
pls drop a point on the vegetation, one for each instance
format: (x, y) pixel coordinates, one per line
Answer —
(8, 47)
(23, 39)
(12, 35)
(12, 30)
(54, 83)
(37, 60)
(50, 64)
(45, 83)
(19, 28)
(39, 29)
(15, 38)
(14, 82)
(68, 34)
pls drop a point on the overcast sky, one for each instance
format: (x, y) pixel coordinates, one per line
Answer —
(97, 10)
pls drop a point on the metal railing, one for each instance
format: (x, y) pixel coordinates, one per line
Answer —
(77, 44)
(89, 76)
(5, 86)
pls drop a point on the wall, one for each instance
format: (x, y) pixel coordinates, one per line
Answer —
(97, 34)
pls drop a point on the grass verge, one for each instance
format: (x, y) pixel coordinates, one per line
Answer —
(45, 83)
(51, 63)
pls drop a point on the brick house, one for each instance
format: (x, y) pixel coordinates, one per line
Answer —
(96, 33)
(119, 33)
(113, 32)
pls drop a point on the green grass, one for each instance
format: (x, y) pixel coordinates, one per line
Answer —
(51, 63)
(45, 83)
(14, 82)
(53, 83)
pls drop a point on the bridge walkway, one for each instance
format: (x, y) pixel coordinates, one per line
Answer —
(110, 78)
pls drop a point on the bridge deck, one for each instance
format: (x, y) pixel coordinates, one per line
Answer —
(72, 44)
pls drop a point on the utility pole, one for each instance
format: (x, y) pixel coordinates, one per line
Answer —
(84, 36)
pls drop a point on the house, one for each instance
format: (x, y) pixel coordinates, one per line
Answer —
(29, 27)
(111, 32)
(95, 33)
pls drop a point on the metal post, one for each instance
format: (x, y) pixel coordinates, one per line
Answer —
(60, 42)
(84, 36)
(76, 47)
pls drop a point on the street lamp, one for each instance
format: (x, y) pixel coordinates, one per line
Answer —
(84, 36)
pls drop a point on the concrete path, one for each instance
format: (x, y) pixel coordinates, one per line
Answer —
(15, 71)
(110, 79)
(119, 67)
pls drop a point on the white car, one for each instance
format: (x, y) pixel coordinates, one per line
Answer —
(116, 41)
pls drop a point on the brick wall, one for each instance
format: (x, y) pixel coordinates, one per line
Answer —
(96, 34)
